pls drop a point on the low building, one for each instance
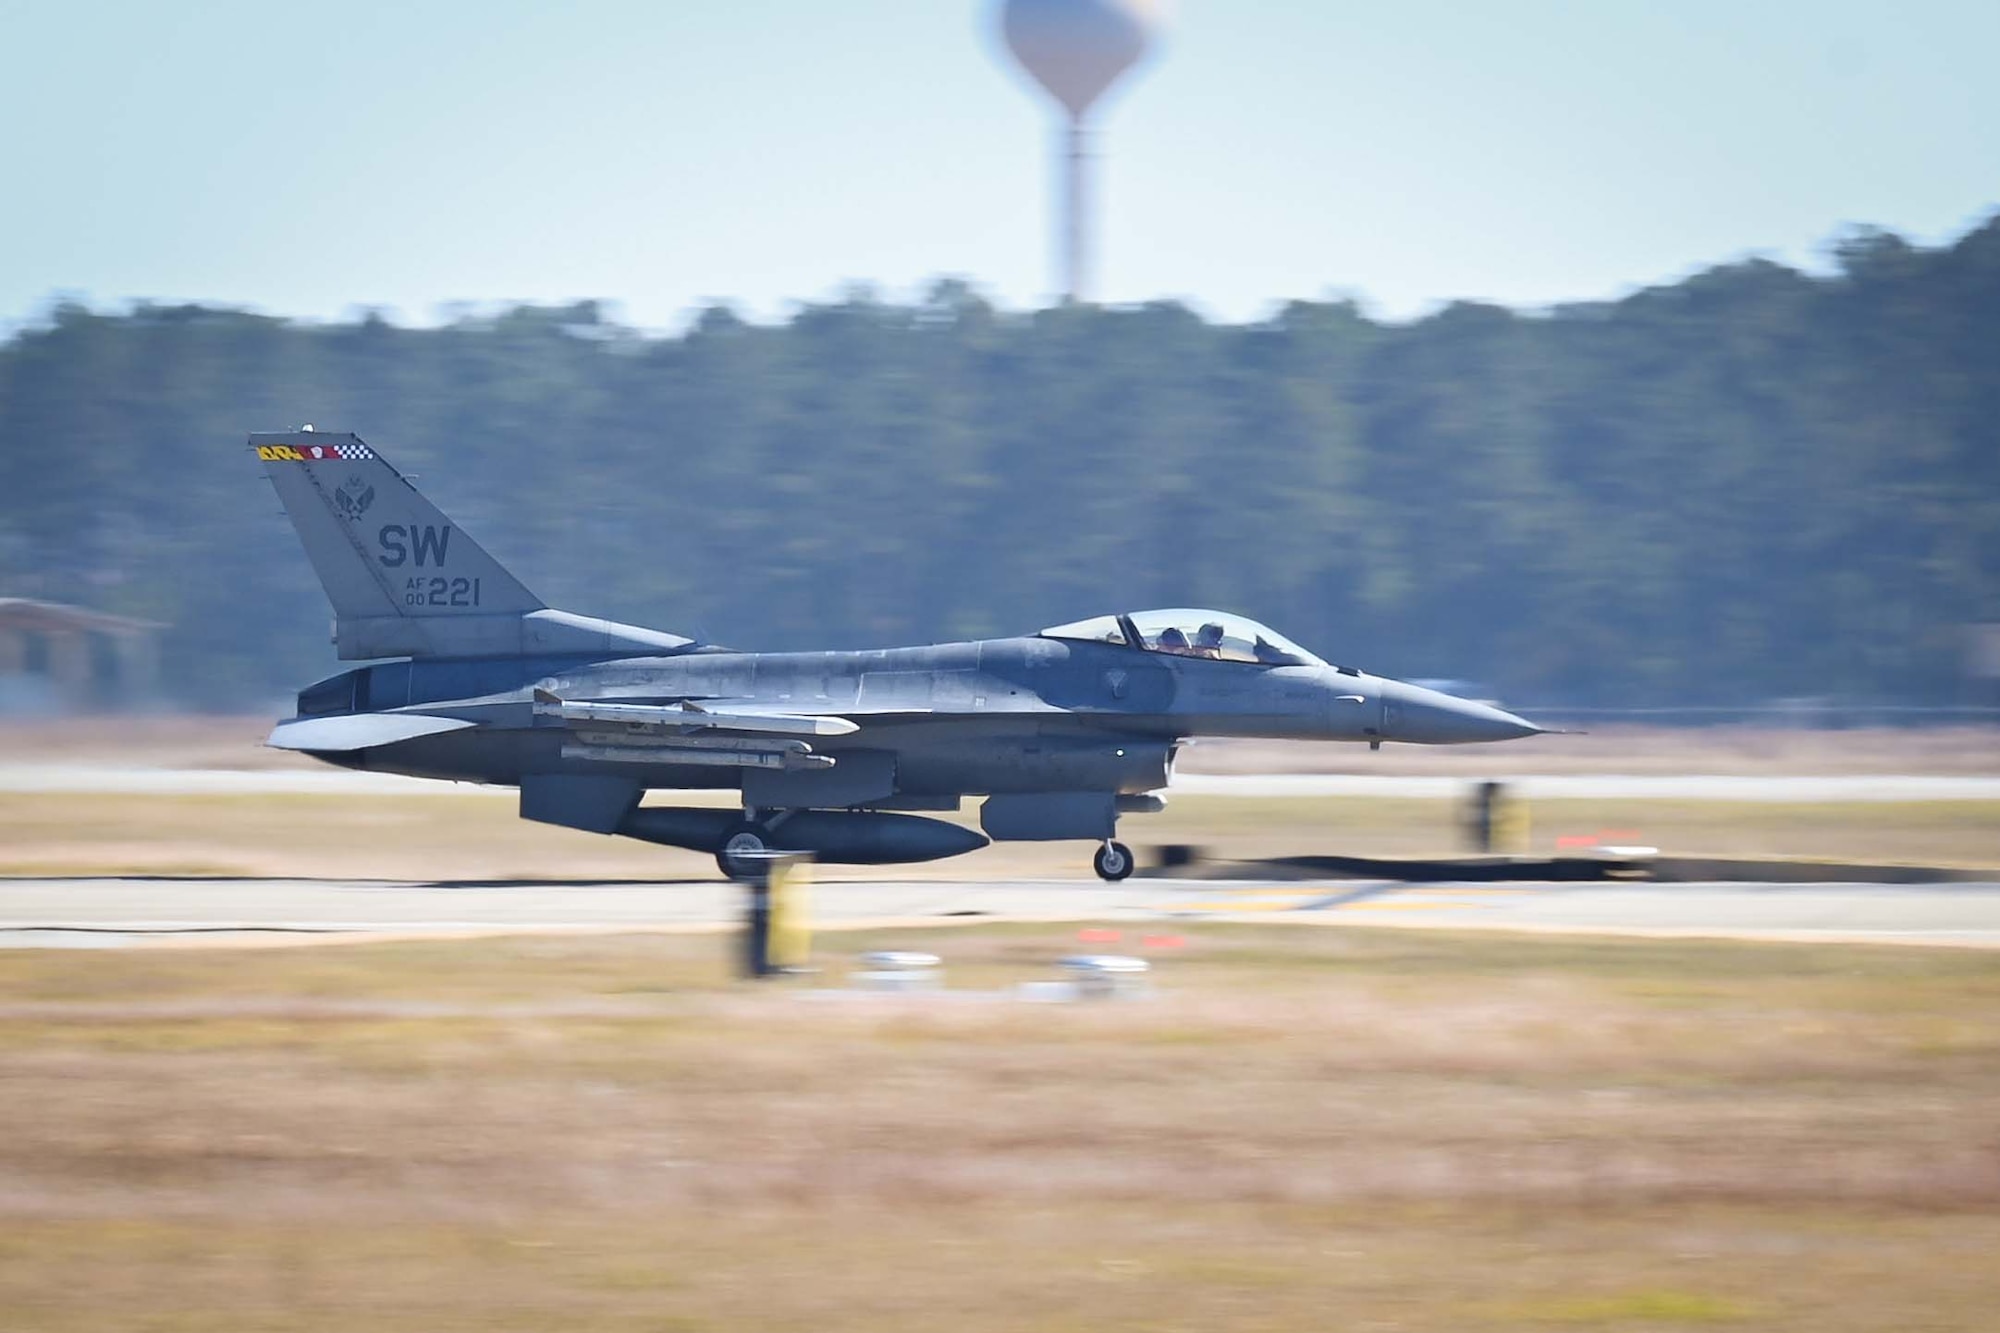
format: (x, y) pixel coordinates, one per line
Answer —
(69, 659)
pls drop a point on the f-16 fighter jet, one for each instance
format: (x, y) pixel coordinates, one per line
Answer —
(473, 678)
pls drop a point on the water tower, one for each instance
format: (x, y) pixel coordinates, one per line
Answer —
(1076, 49)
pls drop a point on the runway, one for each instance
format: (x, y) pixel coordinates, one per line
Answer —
(133, 780)
(90, 912)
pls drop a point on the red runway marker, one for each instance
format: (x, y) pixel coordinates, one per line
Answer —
(1575, 840)
(1098, 936)
(1164, 942)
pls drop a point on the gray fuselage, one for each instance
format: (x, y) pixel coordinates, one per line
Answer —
(999, 715)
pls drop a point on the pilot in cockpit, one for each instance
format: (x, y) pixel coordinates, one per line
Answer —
(1173, 639)
(1207, 641)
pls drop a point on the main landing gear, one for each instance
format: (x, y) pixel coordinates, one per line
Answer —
(746, 842)
(1113, 861)
(742, 844)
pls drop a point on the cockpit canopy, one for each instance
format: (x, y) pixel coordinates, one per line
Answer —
(1190, 632)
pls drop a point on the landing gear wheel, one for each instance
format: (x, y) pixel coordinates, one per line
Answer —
(1113, 861)
(742, 844)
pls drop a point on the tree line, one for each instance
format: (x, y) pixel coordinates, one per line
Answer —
(1749, 484)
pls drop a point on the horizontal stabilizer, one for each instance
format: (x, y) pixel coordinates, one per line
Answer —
(359, 731)
(717, 717)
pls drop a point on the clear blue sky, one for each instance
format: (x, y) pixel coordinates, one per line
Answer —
(306, 159)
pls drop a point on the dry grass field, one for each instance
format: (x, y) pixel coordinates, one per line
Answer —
(477, 836)
(1301, 1130)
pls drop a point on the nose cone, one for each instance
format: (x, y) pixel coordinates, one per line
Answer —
(1430, 717)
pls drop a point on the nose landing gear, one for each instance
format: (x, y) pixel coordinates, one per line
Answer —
(1113, 861)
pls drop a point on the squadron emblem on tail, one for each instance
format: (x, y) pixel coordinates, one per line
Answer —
(354, 496)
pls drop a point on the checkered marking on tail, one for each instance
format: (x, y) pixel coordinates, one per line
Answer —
(313, 453)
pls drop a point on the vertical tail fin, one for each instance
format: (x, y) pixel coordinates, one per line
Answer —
(405, 580)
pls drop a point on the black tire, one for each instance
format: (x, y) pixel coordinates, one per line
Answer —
(1113, 861)
(742, 837)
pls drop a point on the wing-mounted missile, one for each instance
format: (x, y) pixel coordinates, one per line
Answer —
(691, 716)
(688, 733)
